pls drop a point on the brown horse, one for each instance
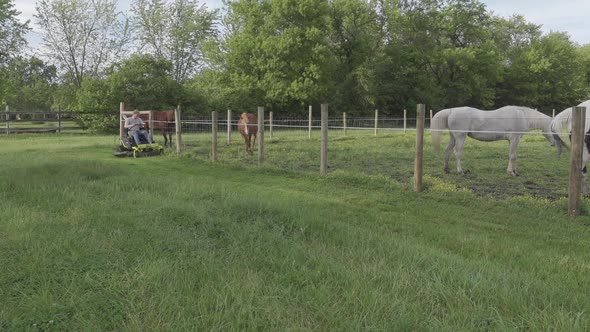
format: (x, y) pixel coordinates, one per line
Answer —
(248, 127)
(164, 122)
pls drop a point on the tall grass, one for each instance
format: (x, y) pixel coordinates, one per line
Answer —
(91, 242)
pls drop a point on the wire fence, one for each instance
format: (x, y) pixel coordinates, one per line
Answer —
(197, 130)
(48, 122)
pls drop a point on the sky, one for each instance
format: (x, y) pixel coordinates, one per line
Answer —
(565, 15)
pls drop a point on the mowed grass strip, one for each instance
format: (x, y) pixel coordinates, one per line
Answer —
(88, 241)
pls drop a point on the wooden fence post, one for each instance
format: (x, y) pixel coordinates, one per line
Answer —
(324, 141)
(260, 135)
(121, 122)
(228, 127)
(7, 120)
(376, 121)
(430, 125)
(151, 122)
(344, 122)
(177, 119)
(59, 119)
(214, 135)
(405, 120)
(419, 147)
(270, 122)
(575, 182)
(309, 131)
(553, 116)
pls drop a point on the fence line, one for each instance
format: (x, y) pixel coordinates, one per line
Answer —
(274, 125)
(278, 125)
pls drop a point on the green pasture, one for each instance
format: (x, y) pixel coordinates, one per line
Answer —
(92, 242)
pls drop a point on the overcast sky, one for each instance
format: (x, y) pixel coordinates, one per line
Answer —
(563, 15)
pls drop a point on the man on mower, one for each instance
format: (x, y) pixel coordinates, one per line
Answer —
(135, 125)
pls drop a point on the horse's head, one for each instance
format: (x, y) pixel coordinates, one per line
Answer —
(553, 131)
(244, 118)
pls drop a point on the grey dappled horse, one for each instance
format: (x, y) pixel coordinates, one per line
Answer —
(506, 123)
(561, 127)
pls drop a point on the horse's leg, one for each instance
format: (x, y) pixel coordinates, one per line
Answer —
(448, 152)
(460, 142)
(512, 156)
(248, 143)
(585, 157)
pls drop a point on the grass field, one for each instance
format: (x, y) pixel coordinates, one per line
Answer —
(91, 242)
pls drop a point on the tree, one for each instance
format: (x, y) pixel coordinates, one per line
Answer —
(557, 71)
(176, 32)
(145, 82)
(11, 41)
(514, 37)
(31, 84)
(355, 39)
(83, 36)
(584, 53)
(142, 82)
(279, 50)
(11, 31)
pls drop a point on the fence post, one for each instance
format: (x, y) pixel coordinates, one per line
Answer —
(260, 135)
(376, 121)
(553, 116)
(405, 120)
(59, 119)
(7, 120)
(121, 122)
(270, 121)
(430, 125)
(324, 141)
(344, 122)
(309, 135)
(177, 114)
(419, 147)
(228, 127)
(214, 135)
(575, 182)
(151, 123)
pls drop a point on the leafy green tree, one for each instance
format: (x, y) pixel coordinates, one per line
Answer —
(584, 53)
(31, 84)
(278, 51)
(514, 38)
(141, 82)
(355, 38)
(177, 32)
(12, 33)
(145, 82)
(84, 37)
(436, 52)
(558, 71)
(464, 61)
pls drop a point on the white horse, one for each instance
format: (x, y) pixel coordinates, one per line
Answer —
(506, 123)
(561, 126)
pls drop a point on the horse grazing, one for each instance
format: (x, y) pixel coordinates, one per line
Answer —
(248, 127)
(164, 122)
(561, 126)
(506, 123)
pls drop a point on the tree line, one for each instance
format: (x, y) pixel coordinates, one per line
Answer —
(356, 55)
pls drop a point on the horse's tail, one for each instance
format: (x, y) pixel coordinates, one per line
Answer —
(440, 122)
(171, 121)
(558, 126)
